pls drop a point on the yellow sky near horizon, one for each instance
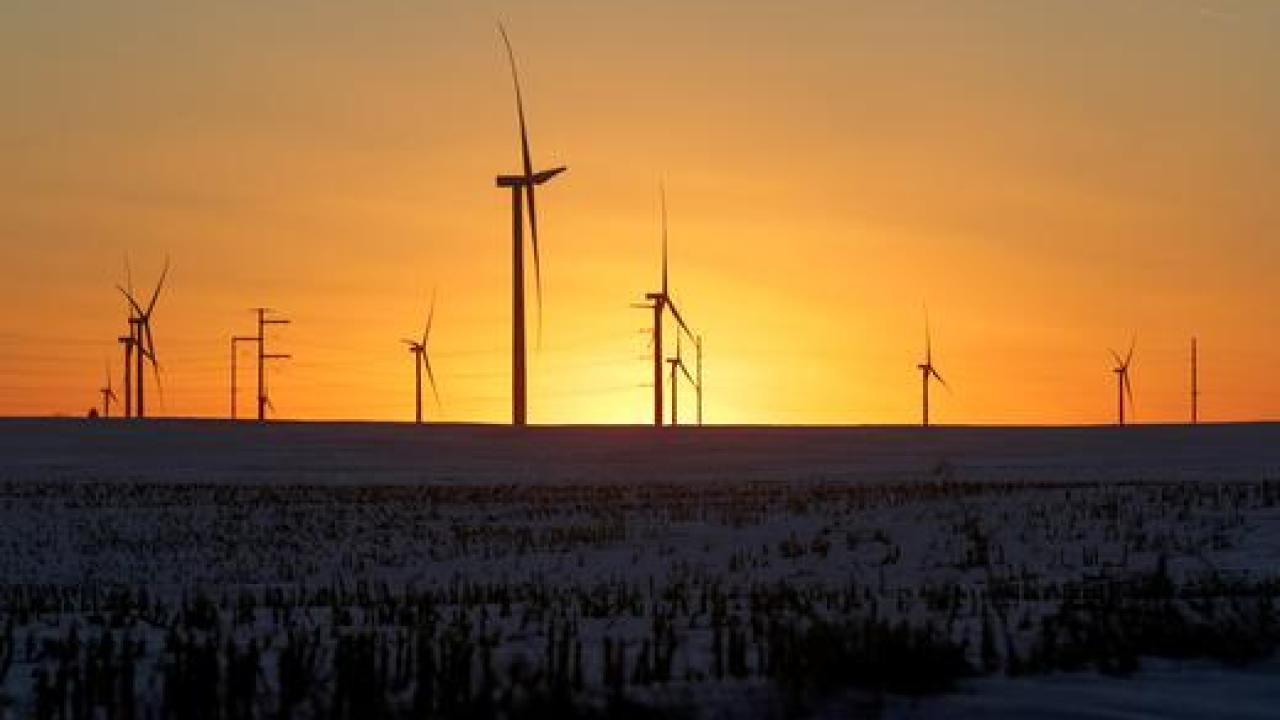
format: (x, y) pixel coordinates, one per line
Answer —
(1050, 177)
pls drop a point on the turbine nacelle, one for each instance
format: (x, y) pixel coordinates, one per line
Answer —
(532, 180)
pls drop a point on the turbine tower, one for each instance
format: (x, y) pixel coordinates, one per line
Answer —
(927, 370)
(1124, 387)
(108, 395)
(698, 344)
(420, 361)
(1195, 383)
(143, 342)
(522, 191)
(128, 341)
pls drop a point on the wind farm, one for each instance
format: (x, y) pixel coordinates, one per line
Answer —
(602, 518)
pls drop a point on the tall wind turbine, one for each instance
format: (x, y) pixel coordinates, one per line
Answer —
(108, 395)
(144, 340)
(660, 302)
(927, 370)
(522, 191)
(129, 342)
(1124, 388)
(420, 361)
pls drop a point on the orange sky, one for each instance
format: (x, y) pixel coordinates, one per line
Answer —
(1049, 176)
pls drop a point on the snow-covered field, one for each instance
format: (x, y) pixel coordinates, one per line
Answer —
(215, 570)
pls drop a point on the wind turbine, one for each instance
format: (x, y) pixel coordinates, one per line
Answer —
(143, 339)
(420, 361)
(677, 366)
(1195, 383)
(522, 191)
(108, 395)
(927, 369)
(1124, 388)
(660, 302)
(129, 342)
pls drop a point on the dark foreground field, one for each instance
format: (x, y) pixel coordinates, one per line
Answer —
(203, 569)
(382, 453)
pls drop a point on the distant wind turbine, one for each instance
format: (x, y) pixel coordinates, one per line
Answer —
(1124, 387)
(677, 366)
(661, 302)
(108, 395)
(420, 361)
(1195, 383)
(927, 370)
(522, 190)
(144, 341)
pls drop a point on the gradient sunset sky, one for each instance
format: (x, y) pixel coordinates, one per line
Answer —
(1050, 177)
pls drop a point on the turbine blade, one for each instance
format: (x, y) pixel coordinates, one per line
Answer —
(431, 377)
(1128, 386)
(684, 369)
(671, 305)
(530, 179)
(1116, 356)
(537, 260)
(515, 81)
(128, 274)
(156, 295)
(928, 340)
(933, 371)
(431, 313)
(1132, 344)
(662, 194)
(136, 309)
(151, 346)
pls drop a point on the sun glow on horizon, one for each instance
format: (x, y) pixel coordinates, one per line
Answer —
(1050, 178)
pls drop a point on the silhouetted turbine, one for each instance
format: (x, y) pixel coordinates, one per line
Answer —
(522, 190)
(926, 370)
(420, 361)
(1195, 383)
(144, 341)
(677, 365)
(108, 395)
(661, 302)
(1124, 387)
(129, 342)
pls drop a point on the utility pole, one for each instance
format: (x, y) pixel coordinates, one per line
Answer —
(264, 356)
(235, 341)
